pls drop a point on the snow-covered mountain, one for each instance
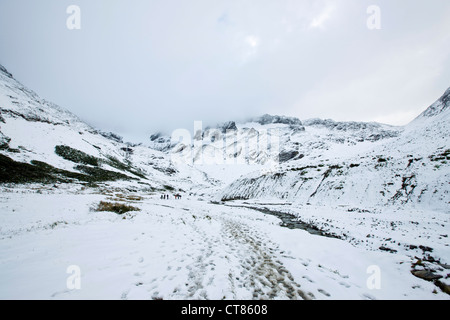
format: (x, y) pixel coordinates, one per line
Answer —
(319, 161)
(41, 142)
(359, 163)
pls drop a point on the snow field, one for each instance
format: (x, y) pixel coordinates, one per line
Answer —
(181, 249)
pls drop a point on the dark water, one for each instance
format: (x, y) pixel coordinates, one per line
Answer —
(289, 221)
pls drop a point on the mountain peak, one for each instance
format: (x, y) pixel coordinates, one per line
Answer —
(5, 72)
(441, 105)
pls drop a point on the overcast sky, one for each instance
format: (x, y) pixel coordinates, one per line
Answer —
(137, 67)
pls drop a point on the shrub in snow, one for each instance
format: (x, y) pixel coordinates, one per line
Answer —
(116, 207)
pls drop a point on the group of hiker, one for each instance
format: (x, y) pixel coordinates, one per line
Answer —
(166, 196)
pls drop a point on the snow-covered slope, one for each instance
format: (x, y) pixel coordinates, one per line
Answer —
(41, 142)
(363, 164)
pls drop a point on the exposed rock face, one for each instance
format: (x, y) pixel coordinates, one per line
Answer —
(426, 275)
(155, 136)
(268, 119)
(4, 141)
(111, 136)
(288, 155)
(227, 126)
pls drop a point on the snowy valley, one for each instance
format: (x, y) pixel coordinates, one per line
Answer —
(271, 208)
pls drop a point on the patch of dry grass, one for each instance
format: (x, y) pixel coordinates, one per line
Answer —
(118, 208)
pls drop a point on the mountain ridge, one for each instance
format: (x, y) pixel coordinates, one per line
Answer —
(441, 105)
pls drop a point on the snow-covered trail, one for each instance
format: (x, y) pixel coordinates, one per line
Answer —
(259, 269)
(165, 251)
(220, 256)
(180, 249)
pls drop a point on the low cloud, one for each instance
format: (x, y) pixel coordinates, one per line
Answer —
(146, 66)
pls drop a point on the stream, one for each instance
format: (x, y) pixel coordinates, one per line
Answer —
(287, 220)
